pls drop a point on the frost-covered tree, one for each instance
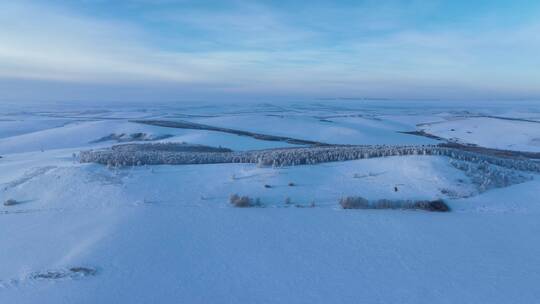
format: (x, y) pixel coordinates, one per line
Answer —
(176, 154)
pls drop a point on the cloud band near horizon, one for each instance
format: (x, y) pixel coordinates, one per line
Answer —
(175, 50)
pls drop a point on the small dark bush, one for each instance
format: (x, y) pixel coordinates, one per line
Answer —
(291, 184)
(357, 202)
(267, 186)
(354, 202)
(436, 206)
(243, 201)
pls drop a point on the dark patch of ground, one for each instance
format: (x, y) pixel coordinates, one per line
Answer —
(422, 133)
(180, 124)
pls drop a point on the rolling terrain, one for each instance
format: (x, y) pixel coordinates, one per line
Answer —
(77, 231)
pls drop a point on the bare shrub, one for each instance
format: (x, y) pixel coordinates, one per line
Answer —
(354, 202)
(288, 200)
(73, 273)
(437, 205)
(243, 201)
(357, 202)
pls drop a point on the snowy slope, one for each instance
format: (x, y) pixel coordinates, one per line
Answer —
(82, 134)
(204, 251)
(167, 234)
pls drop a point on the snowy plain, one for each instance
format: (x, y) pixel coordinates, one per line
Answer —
(167, 234)
(492, 132)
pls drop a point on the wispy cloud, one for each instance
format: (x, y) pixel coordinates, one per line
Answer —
(370, 49)
(44, 43)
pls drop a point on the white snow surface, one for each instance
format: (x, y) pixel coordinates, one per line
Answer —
(332, 129)
(167, 234)
(489, 132)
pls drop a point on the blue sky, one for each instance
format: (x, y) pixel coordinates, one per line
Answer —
(174, 50)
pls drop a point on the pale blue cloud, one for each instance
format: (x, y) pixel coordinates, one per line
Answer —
(217, 49)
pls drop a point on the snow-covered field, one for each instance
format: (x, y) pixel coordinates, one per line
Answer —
(492, 132)
(85, 233)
